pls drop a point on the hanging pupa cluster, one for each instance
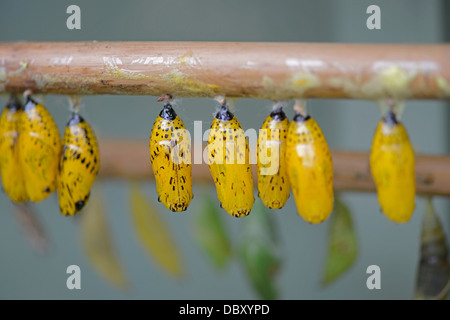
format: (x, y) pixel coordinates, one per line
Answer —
(34, 163)
(289, 155)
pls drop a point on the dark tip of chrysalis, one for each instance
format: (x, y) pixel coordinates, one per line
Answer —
(390, 118)
(30, 103)
(301, 118)
(79, 205)
(75, 119)
(224, 114)
(167, 113)
(14, 104)
(278, 114)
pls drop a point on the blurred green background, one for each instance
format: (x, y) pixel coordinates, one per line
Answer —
(348, 125)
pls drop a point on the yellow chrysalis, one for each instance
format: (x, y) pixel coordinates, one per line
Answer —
(228, 160)
(79, 165)
(170, 155)
(12, 178)
(310, 169)
(393, 169)
(273, 183)
(39, 149)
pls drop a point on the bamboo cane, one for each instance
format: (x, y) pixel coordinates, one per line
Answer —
(130, 159)
(275, 71)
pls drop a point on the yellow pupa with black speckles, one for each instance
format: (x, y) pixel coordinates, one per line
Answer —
(79, 165)
(170, 155)
(12, 178)
(273, 183)
(310, 169)
(39, 146)
(392, 166)
(228, 161)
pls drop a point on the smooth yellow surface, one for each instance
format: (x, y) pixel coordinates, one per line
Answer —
(393, 169)
(310, 170)
(228, 160)
(273, 183)
(39, 149)
(170, 155)
(12, 178)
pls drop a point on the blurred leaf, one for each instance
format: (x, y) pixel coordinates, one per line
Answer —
(342, 244)
(259, 251)
(97, 242)
(153, 233)
(433, 276)
(29, 222)
(210, 233)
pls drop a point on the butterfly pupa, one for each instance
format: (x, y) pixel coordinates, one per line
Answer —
(12, 178)
(170, 155)
(273, 183)
(392, 166)
(433, 271)
(79, 165)
(310, 169)
(39, 147)
(229, 165)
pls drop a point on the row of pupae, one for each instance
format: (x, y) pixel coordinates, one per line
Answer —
(304, 164)
(34, 162)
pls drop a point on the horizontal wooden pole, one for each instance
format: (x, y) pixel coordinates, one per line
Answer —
(130, 159)
(276, 71)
